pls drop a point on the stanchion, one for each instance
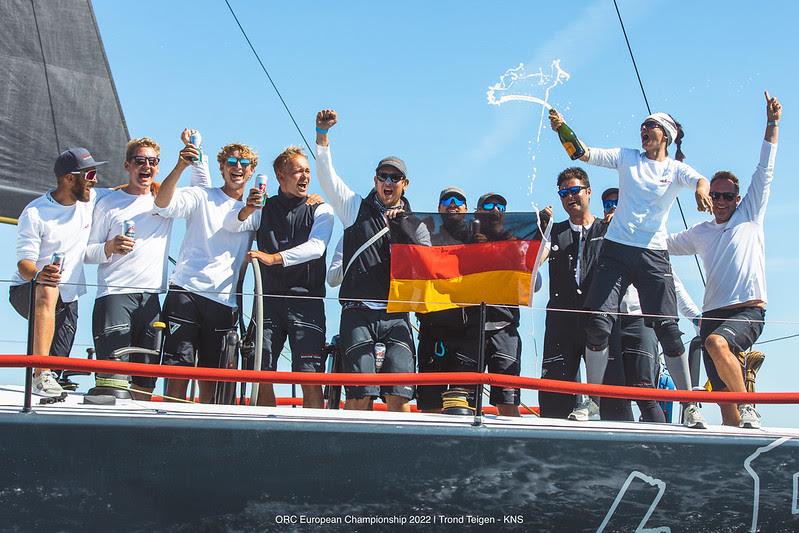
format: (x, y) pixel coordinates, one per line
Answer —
(26, 407)
(481, 357)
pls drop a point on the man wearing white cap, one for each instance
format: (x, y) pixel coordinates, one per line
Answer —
(635, 249)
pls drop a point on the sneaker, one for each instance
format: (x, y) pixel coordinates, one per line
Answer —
(45, 384)
(750, 418)
(585, 410)
(692, 416)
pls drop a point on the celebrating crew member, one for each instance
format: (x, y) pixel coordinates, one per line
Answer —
(635, 252)
(200, 307)
(365, 324)
(292, 239)
(52, 234)
(732, 250)
(131, 246)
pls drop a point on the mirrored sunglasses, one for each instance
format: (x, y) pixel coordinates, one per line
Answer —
(452, 200)
(233, 161)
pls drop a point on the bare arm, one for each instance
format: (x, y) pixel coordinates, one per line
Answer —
(773, 115)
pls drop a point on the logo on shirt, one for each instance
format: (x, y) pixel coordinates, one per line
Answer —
(173, 327)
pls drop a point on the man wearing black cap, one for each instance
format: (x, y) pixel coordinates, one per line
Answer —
(52, 235)
(366, 260)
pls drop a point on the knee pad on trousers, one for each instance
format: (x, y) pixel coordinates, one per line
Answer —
(670, 337)
(597, 332)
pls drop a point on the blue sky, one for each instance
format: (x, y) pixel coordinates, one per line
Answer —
(410, 79)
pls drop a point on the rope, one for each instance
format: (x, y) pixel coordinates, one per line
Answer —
(649, 111)
(263, 67)
(432, 378)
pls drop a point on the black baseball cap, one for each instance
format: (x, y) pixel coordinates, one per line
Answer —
(74, 160)
(608, 192)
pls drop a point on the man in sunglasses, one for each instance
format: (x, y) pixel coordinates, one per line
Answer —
(56, 223)
(292, 235)
(132, 268)
(731, 248)
(200, 307)
(366, 260)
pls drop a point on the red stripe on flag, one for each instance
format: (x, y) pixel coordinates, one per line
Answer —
(413, 261)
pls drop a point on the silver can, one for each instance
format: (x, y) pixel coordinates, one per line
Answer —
(196, 139)
(380, 355)
(129, 229)
(58, 260)
(260, 184)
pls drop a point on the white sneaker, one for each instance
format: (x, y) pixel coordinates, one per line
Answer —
(750, 418)
(585, 410)
(692, 416)
(45, 384)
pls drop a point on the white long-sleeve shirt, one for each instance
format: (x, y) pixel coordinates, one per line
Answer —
(335, 273)
(733, 253)
(145, 268)
(210, 256)
(313, 248)
(647, 190)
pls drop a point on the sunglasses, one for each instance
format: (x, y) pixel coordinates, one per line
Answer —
(393, 178)
(490, 206)
(233, 161)
(651, 125)
(729, 196)
(609, 205)
(141, 160)
(89, 175)
(568, 191)
(452, 200)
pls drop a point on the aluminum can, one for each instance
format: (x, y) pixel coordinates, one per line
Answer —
(380, 355)
(260, 184)
(58, 260)
(196, 139)
(129, 229)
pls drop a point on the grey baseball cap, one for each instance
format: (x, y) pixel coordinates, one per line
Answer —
(452, 191)
(488, 196)
(394, 162)
(74, 160)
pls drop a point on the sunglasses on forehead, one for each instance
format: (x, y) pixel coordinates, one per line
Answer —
(729, 196)
(89, 175)
(232, 161)
(490, 206)
(393, 178)
(141, 160)
(452, 200)
(563, 193)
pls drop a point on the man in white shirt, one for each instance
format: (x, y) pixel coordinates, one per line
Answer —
(200, 307)
(132, 268)
(56, 223)
(292, 234)
(732, 250)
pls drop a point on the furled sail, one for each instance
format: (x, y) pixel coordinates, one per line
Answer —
(56, 92)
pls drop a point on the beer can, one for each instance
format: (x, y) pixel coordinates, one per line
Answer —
(380, 355)
(196, 139)
(129, 229)
(260, 184)
(58, 260)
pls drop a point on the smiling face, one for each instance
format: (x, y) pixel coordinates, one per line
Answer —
(141, 172)
(388, 192)
(294, 177)
(236, 175)
(447, 205)
(575, 205)
(724, 208)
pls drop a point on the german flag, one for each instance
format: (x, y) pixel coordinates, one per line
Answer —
(464, 259)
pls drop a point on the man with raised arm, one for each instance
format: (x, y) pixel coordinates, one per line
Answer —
(634, 251)
(292, 236)
(57, 222)
(200, 307)
(732, 249)
(132, 269)
(366, 260)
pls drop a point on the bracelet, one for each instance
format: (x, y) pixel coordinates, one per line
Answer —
(320, 130)
(773, 123)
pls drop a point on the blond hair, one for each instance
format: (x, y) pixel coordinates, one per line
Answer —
(143, 142)
(244, 151)
(287, 156)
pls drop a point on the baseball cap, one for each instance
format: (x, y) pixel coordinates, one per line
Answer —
(452, 191)
(395, 162)
(488, 196)
(608, 192)
(74, 160)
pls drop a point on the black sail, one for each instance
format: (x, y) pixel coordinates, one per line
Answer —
(57, 92)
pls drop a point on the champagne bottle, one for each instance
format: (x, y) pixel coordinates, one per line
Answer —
(569, 140)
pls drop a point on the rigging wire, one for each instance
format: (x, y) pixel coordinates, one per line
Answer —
(263, 67)
(46, 78)
(649, 110)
